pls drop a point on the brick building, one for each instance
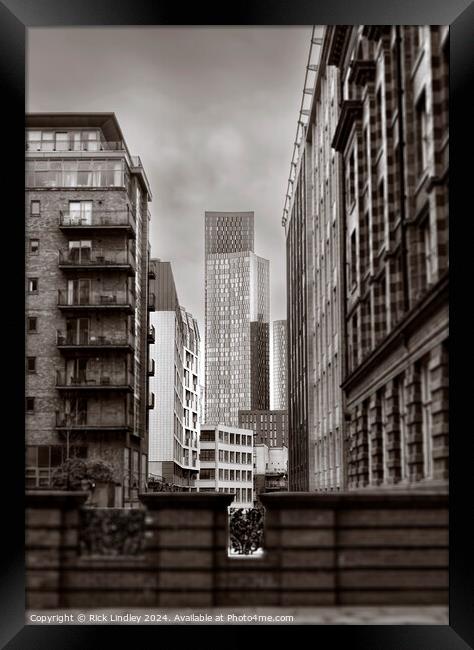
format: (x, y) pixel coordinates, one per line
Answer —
(270, 427)
(380, 99)
(87, 299)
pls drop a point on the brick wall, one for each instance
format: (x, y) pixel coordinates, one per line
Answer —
(320, 549)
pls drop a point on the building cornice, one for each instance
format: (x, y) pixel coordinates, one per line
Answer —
(351, 110)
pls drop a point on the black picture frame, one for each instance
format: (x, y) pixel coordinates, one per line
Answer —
(16, 16)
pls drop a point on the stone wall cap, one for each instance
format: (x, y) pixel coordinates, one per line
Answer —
(191, 500)
(55, 498)
(363, 499)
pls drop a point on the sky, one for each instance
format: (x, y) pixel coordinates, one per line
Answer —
(212, 114)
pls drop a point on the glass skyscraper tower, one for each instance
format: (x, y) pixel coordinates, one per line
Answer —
(237, 318)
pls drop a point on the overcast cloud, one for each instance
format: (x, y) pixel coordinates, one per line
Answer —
(211, 112)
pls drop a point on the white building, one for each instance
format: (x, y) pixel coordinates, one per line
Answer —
(226, 462)
(174, 418)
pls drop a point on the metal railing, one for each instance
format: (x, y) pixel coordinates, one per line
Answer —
(95, 299)
(100, 378)
(89, 257)
(59, 147)
(93, 340)
(84, 419)
(76, 218)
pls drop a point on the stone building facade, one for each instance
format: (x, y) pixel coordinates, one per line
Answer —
(87, 299)
(367, 246)
(392, 136)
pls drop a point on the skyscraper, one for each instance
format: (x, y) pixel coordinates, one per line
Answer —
(174, 418)
(278, 352)
(87, 299)
(237, 318)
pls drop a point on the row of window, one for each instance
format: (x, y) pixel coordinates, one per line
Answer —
(229, 438)
(209, 474)
(241, 494)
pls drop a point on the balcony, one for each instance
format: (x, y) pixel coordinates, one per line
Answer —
(83, 421)
(102, 380)
(151, 273)
(47, 146)
(151, 334)
(77, 341)
(76, 221)
(151, 400)
(151, 367)
(83, 259)
(116, 301)
(151, 302)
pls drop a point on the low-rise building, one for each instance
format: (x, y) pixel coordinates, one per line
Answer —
(226, 462)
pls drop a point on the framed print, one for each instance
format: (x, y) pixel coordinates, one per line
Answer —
(230, 398)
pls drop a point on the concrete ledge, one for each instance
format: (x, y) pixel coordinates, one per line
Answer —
(191, 500)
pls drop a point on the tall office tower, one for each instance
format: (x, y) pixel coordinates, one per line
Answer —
(87, 300)
(278, 362)
(173, 453)
(237, 315)
(367, 262)
(226, 460)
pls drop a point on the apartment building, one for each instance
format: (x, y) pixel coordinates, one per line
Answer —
(87, 300)
(226, 463)
(174, 417)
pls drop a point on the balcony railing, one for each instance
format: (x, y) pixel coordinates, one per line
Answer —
(110, 219)
(151, 302)
(151, 334)
(86, 339)
(104, 259)
(95, 300)
(82, 420)
(89, 146)
(102, 379)
(151, 367)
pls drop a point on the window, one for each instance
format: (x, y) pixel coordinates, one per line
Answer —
(31, 364)
(208, 436)
(353, 260)
(403, 429)
(207, 474)
(34, 246)
(32, 323)
(30, 404)
(208, 454)
(80, 212)
(421, 134)
(35, 208)
(32, 285)
(426, 421)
